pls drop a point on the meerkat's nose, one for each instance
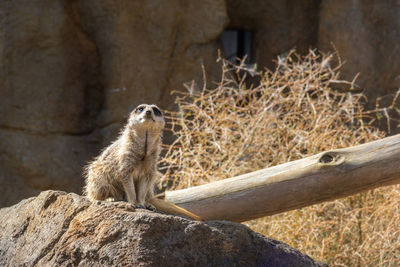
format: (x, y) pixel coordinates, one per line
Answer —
(148, 112)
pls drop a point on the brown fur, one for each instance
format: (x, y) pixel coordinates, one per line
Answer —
(127, 169)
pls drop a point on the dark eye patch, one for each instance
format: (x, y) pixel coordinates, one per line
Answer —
(157, 112)
(139, 109)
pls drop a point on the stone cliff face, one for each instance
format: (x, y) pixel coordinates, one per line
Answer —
(56, 229)
(70, 71)
(365, 33)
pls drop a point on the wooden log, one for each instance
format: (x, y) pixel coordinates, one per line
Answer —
(327, 176)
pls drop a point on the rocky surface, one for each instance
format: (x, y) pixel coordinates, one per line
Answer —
(277, 26)
(366, 34)
(56, 228)
(70, 71)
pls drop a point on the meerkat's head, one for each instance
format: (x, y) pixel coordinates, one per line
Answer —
(147, 117)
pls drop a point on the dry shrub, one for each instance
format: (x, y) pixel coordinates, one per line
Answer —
(292, 113)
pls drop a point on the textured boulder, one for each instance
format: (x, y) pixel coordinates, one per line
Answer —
(57, 228)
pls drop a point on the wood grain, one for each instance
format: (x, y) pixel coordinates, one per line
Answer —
(326, 176)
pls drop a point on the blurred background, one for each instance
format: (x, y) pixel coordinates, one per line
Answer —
(70, 71)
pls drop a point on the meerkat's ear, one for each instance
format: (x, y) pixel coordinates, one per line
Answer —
(157, 112)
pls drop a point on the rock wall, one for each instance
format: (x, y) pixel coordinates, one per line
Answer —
(70, 71)
(366, 34)
(59, 229)
(277, 26)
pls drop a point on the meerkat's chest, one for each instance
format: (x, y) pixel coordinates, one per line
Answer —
(142, 170)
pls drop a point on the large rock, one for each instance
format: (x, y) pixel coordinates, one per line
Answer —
(50, 97)
(57, 228)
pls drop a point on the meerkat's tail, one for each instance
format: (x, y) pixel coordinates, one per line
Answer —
(170, 208)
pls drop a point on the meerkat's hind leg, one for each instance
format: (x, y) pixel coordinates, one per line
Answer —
(149, 196)
(98, 191)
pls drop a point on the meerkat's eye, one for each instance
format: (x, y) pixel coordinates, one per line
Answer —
(157, 112)
(139, 109)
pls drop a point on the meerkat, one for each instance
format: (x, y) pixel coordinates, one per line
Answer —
(127, 169)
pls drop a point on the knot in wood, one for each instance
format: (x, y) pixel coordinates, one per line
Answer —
(330, 158)
(327, 158)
